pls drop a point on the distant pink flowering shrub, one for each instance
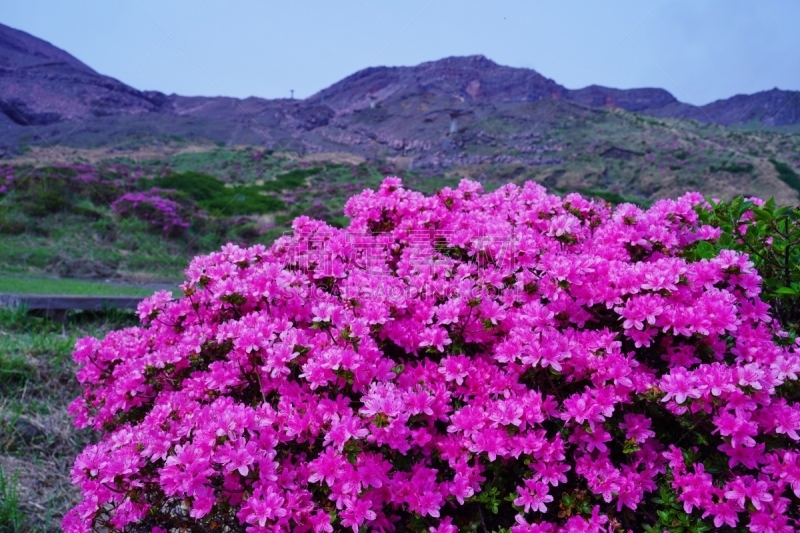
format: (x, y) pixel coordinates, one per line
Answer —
(465, 361)
(6, 178)
(152, 207)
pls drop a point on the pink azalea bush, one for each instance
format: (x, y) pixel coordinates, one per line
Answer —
(466, 361)
(151, 206)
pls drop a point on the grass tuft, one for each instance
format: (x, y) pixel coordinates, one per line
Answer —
(11, 516)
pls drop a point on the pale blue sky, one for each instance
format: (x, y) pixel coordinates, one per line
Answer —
(700, 50)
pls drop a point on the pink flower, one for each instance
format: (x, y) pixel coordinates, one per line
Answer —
(263, 506)
(679, 384)
(533, 495)
(356, 513)
(434, 337)
(723, 513)
(747, 488)
(455, 368)
(445, 526)
(637, 427)
(582, 408)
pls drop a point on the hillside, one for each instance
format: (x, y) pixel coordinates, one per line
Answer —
(455, 117)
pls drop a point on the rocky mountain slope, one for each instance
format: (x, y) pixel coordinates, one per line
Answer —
(41, 84)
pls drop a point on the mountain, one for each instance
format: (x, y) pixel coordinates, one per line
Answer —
(473, 78)
(769, 108)
(465, 115)
(41, 85)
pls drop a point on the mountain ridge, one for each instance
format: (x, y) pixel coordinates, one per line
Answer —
(43, 84)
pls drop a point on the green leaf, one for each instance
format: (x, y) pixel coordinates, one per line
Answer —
(761, 214)
(705, 250)
(786, 290)
(725, 240)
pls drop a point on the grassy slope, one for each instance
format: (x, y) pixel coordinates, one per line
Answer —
(91, 231)
(38, 443)
(668, 157)
(128, 243)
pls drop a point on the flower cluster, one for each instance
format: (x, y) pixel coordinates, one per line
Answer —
(6, 179)
(151, 206)
(467, 360)
(63, 178)
(80, 173)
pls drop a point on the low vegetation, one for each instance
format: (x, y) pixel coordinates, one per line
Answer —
(37, 439)
(787, 174)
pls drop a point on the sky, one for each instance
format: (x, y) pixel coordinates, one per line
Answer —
(699, 50)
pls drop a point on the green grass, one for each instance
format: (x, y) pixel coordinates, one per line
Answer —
(199, 187)
(19, 285)
(10, 514)
(242, 201)
(127, 243)
(236, 166)
(14, 369)
(215, 198)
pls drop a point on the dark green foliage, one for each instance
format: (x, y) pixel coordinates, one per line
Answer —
(59, 172)
(772, 239)
(215, 198)
(608, 196)
(247, 232)
(787, 174)
(673, 518)
(292, 179)
(339, 221)
(103, 193)
(88, 210)
(10, 222)
(10, 514)
(733, 168)
(242, 201)
(44, 203)
(44, 196)
(198, 187)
